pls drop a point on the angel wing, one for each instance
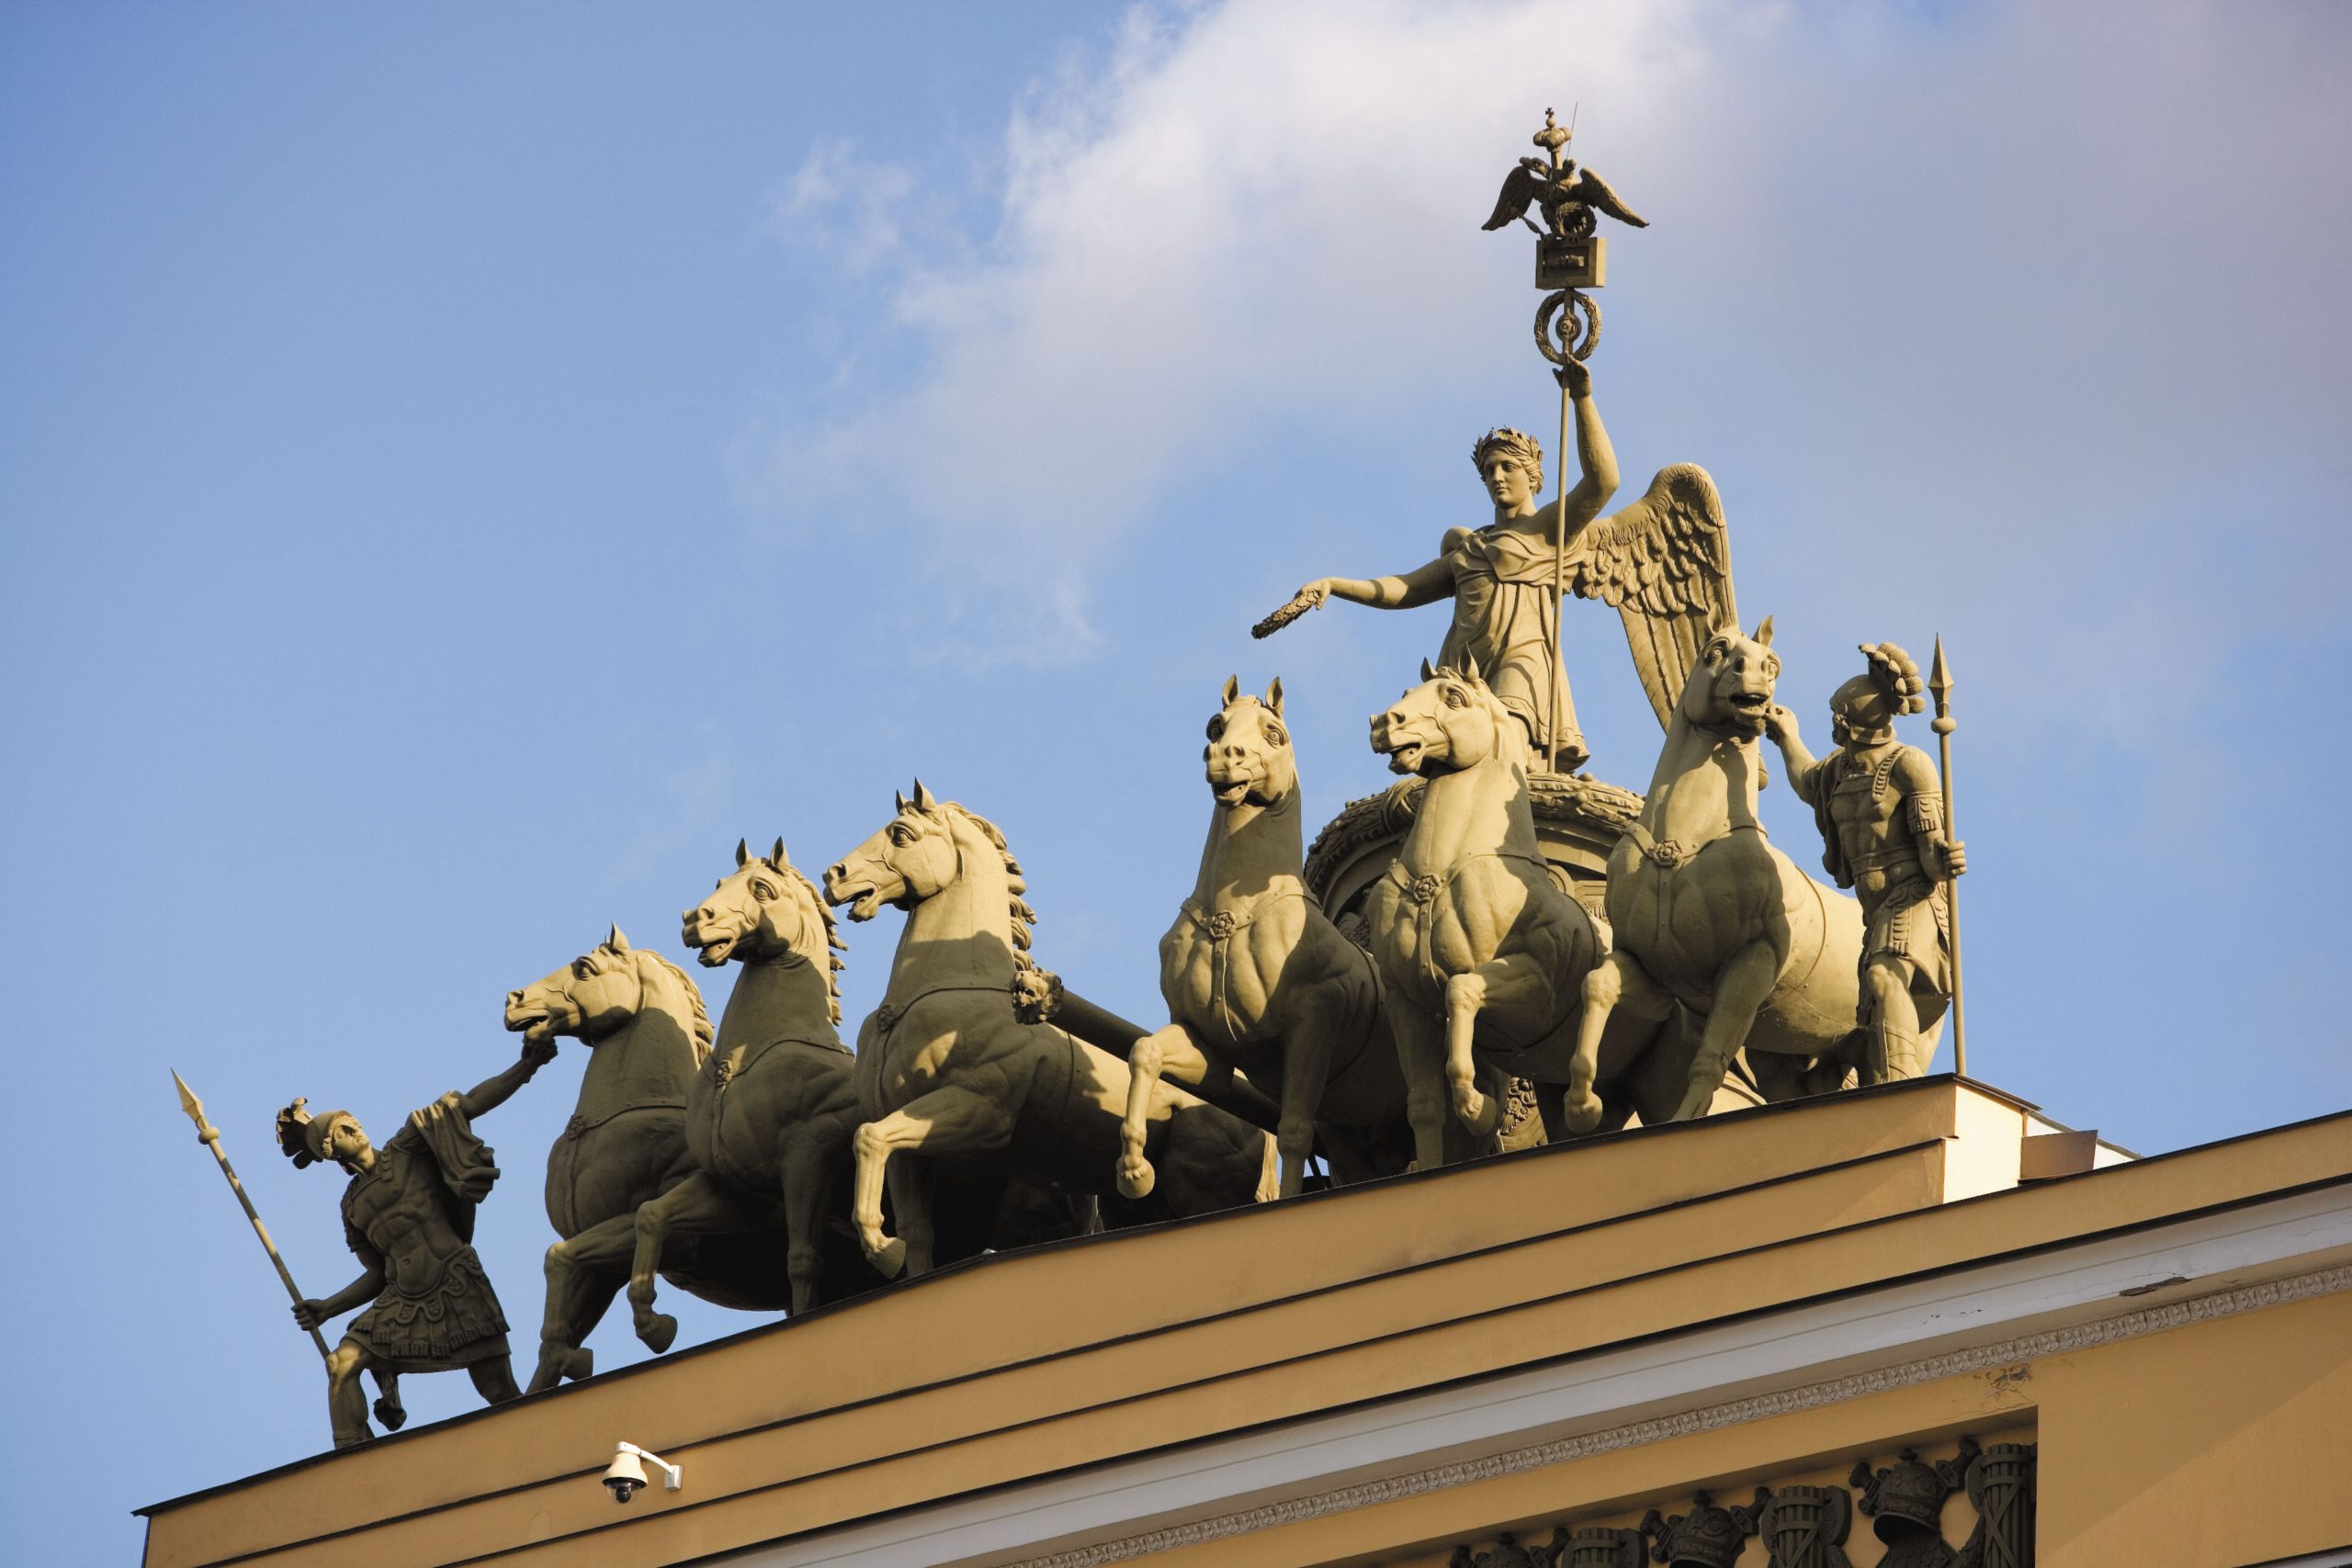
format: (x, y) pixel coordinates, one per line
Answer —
(1519, 190)
(1665, 564)
(1593, 191)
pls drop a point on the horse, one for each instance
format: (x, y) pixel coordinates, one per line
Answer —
(648, 1036)
(1709, 913)
(1256, 977)
(1482, 953)
(947, 1067)
(770, 1118)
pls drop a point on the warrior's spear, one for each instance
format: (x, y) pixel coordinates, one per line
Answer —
(1940, 683)
(206, 1133)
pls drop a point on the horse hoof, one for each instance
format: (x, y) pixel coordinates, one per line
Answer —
(1479, 1112)
(390, 1416)
(888, 1259)
(658, 1331)
(1137, 1182)
(1583, 1114)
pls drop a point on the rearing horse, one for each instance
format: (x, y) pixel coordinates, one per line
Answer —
(769, 1118)
(647, 1033)
(1708, 913)
(1257, 978)
(1482, 952)
(946, 1067)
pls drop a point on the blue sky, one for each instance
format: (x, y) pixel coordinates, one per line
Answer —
(461, 467)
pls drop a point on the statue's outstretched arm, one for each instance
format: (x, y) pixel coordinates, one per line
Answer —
(1597, 459)
(494, 1092)
(1804, 771)
(1422, 586)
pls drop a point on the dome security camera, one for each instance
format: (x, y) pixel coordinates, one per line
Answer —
(625, 1477)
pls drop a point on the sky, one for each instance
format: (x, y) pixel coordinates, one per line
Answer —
(461, 467)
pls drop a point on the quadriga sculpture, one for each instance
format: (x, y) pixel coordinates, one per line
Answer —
(1256, 977)
(1482, 952)
(946, 1067)
(647, 1035)
(1707, 911)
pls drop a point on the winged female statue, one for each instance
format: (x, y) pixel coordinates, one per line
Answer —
(1664, 563)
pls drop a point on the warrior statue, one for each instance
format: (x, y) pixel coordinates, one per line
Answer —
(408, 1215)
(1880, 809)
(1501, 576)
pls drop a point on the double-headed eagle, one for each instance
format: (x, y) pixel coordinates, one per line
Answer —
(1568, 196)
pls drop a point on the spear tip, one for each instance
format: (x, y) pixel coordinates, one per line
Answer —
(1939, 677)
(194, 1108)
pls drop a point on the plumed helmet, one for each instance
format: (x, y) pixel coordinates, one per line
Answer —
(303, 1137)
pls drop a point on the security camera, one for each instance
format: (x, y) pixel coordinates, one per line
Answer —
(626, 1475)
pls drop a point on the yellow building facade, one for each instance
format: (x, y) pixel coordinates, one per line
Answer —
(1512, 1363)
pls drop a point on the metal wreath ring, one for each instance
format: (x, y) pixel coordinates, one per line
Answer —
(1568, 304)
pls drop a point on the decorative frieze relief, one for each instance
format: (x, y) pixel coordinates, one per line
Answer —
(1807, 1524)
(1806, 1527)
(1508, 1553)
(1707, 1537)
(2000, 1481)
(1438, 1478)
(1906, 1505)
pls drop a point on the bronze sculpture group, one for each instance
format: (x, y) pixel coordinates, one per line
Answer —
(763, 1164)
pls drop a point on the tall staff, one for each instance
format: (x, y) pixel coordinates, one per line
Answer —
(210, 1136)
(1940, 683)
(1569, 258)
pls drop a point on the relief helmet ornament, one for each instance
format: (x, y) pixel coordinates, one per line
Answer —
(1905, 1504)
(1709, 1536)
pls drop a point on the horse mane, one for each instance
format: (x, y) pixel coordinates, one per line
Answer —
(700, 1027)
(1023, 917)
(834, 945)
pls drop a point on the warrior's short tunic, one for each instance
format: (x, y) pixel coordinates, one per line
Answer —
(415, 1211)
(1504, 616)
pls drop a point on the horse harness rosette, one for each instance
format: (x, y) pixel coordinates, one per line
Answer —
(581, 1125)
(1424, 891)
(1673, 854)
(742, 1058)
(887, 1016)
(1220, 927)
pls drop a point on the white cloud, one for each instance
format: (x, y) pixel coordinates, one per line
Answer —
(1984, 272)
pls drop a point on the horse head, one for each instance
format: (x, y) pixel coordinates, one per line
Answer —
(1448, 722)
(911, 858)
(1731, 685)
(930, 846)
(766, 912)
(601, 993)
(1249, 755)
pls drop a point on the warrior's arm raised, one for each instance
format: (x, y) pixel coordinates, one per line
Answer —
(491, 1093)
(1804, 770)
(1422, 586)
